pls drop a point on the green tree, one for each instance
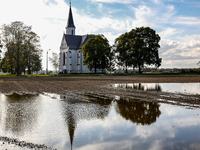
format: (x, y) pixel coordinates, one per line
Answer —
(96, 52)
(54, 60)
(111, 61)
(22, 48)
(0, 53)
(121, 48)
(143, 47)
(198, 64)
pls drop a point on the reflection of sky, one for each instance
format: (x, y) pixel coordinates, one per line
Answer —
(170, 130)
(189, 88)
(176, 128)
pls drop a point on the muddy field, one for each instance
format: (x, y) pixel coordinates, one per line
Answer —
(98, 84)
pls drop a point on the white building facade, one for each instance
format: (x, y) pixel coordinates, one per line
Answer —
(71, 58)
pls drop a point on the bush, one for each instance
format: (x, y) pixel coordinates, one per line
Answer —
(183, 71)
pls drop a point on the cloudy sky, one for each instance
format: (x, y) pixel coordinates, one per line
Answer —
(176, 21)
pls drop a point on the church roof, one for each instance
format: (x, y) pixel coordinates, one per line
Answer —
(76, 41)
(70, 22)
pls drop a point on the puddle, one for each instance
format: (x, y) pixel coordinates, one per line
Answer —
(95, 121)
(185, 88)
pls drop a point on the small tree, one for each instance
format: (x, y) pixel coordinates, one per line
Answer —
(54, 61)
(0, 53)
(96, 53)
(198, 64)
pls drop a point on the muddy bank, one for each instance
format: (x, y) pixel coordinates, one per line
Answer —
(96, 84)
(10, 143)
(61, 84)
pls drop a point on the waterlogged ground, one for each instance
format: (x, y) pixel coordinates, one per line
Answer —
(99, 121)
(184, 88)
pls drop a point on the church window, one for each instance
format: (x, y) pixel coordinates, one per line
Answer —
(70, 60)
(63, 58)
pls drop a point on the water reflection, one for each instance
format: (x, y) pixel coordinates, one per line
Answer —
(19, 113)
(139, 86)
(139, 112)
(185, 88)
(96, 121)
(95, 106)
(74, 110)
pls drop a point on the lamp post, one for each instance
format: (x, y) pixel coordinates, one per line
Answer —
(47, 62)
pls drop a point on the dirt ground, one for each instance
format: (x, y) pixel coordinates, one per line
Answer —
(98, 84)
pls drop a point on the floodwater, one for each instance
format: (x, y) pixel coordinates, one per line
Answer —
(92, 121)
(185, 88)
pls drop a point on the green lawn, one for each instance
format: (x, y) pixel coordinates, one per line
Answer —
(79, 75)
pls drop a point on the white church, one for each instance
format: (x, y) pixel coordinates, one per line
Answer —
(71, 58)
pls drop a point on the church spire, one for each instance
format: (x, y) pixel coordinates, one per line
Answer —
(70, 28)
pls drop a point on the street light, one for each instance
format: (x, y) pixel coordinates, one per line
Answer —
(47, 62)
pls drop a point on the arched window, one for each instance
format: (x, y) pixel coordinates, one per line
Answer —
(63, 58)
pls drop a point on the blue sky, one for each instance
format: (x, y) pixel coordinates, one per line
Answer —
(176, 21)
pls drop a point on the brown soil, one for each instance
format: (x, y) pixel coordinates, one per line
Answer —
(97, 84)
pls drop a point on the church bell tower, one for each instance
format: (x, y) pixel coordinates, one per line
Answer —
(70, 28)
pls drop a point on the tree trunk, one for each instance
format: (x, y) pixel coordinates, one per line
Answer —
(95, 68)
(126, 66)
(140, 72)
(29, 70)
(18, 58)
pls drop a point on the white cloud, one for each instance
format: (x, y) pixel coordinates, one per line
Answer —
(180, 54)
(186, 20)
(167, 33)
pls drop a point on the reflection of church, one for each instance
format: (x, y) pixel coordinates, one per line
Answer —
(93, 106)
(76, 110)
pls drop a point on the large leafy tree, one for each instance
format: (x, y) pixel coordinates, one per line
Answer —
(121, 48)
(54, 61)
(138, 47)
(22, 48)
(144, 45)
(96, 52)
(111, 61)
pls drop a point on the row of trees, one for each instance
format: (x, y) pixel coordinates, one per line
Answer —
(22, 49)
(136, 48)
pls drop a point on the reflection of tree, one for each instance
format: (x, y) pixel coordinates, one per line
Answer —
(140, 86)
(139, 112)
(19, 113)
(74, 110)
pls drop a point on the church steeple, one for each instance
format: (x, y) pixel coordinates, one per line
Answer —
(70, 28)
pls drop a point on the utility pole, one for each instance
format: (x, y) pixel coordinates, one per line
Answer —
(47, 62)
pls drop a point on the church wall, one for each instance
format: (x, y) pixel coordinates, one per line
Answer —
(62, 55)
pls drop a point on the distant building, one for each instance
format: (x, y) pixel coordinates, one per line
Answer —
(71, 58)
